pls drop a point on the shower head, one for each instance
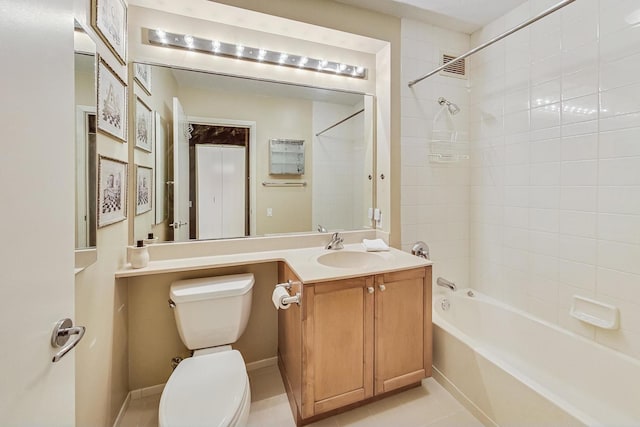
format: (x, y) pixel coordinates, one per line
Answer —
(453, 108)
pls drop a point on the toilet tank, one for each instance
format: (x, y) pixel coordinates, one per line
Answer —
(212, 311)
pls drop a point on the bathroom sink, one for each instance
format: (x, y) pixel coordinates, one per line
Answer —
(349, 259)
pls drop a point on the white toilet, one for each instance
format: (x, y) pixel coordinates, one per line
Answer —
(212, 387)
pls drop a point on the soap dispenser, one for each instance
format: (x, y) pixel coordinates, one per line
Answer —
(139, 255)
(150, 239)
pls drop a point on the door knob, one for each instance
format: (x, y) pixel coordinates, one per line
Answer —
(382, 287)
(370, 289)
(60, 337)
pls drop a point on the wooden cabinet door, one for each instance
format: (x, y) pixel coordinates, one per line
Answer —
(337, 344)
(402, 328)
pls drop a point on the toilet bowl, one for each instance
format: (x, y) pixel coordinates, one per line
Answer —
(208, 390)
(212, 387)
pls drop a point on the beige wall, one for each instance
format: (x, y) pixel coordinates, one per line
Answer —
(371, 24)
(163, 89)
(102, 380)
(85, 81)
(275, 117)
(153, 337)
(102, 358)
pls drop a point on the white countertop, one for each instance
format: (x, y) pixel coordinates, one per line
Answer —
(303, 261)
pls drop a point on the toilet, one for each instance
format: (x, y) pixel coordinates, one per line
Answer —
(212, 387)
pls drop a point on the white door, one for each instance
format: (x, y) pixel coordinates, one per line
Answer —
(37, 193)
(221, 191)
(234, 185)
(208, 191)
(180, 219)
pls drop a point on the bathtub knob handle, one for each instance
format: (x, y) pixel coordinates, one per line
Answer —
(382, 287)
(370, 289)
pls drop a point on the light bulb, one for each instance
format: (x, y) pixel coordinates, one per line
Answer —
(261, 54)
(283, 57)
(239, 50)
(303, 61)
(215, 45)
(188, 40)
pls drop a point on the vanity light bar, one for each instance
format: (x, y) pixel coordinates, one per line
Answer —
(238, 51)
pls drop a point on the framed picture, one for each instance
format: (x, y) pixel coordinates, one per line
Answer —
(142, 74)
(112, 191)
(110, 21)
(112, 102)
(144, 126)
(144, 187)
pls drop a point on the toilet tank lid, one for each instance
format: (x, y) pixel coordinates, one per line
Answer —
(211, 287)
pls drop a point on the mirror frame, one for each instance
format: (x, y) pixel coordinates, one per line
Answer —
(84, 257)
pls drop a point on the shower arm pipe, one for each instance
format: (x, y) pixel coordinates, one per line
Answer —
(494, 40)
(340, 122)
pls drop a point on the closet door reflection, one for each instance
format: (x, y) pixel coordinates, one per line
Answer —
(220, 188)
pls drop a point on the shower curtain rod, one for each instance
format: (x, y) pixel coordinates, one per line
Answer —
(495, 39)
(340, 122)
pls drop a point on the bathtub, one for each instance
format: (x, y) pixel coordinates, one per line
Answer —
(512, 369)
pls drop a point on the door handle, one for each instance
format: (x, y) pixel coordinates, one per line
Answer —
(60, 337)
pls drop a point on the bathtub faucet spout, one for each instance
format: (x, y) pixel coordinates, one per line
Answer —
(445, 283)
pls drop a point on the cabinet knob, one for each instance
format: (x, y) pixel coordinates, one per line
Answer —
(382, 287)
(370, 289)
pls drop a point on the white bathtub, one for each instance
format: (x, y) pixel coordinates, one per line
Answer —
(515, 370)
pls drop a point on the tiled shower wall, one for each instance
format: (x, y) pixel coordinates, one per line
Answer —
(339, 171)
(434, 196)
(555, 164)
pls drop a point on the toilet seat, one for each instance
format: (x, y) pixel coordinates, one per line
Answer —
(207, 390)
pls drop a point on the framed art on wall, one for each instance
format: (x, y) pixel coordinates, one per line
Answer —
(112, 191)
(144, 187)
(142, 74)
(112, 102)
(144, 126)
(110, 21)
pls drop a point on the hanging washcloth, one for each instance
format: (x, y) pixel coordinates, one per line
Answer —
(374, 245)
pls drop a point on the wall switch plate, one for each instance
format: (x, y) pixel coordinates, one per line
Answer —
(376, 214)
(269, 212)
(370, 213)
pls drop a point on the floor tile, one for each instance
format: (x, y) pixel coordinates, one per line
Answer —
(427, 406)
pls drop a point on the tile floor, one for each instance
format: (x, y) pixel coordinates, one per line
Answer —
(429, 405)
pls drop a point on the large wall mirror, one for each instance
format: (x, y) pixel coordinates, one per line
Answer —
(85, 147)
(233, 157)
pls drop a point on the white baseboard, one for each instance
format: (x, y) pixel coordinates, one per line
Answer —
(262, 363)
(157, 389)
(123, 409)
(147, 391)
(462, 398)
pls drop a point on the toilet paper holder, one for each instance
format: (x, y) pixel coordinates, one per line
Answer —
(295, 299)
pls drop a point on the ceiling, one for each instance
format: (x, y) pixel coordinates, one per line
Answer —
(466, 16)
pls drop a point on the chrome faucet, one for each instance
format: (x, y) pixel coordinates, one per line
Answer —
(420, 249)
(321, 229)
(445, 283)
(336, 242)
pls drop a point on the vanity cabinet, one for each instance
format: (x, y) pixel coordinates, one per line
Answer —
(355, 339)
